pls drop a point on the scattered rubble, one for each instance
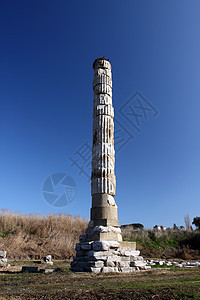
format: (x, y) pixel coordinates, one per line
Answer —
(166, 263)
(47, 260)
(3, 259)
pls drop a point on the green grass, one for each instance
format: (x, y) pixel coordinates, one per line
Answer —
(173, 283)
(162, 267)
(162, 240)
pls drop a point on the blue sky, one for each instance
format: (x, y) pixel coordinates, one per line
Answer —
(47, 49)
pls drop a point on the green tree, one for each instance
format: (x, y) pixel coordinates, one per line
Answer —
(196, 222)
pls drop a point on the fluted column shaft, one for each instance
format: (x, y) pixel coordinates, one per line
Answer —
(103, 182)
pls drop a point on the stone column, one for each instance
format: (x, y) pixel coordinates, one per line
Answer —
(104, 208)
(101, 248)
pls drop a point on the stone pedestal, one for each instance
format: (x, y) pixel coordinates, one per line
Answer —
(106, 256)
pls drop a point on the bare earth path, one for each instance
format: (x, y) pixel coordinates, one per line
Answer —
(153, 284)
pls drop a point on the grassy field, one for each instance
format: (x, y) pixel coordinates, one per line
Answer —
(151, 284)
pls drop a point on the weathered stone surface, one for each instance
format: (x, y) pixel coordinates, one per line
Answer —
(116, 252)
(137, 258)
(74, 264)
(127, 264)
(131, 253)
(80, 253)
(78, 247)
(107, 229)
(137, 263)
(2, 254)
(108, 269)
(127, 246)
(98, 253)
(85, 246)
(101, 63)
(114, 258)
(103, 110)
(95, 270)
(106, 236)
(133, 258)
(100, 71)
(121, 264)
(127, 269)
(100, 245)
(125, 258)
(103, 258)
(81, 258)
(103, 88)
(114, 244)
(47, 260)
(83, 265)
(110, 264)
(111, 260)
(102, 99)
(3, 262)
(96, 264)
(146, 268)
(102, 79)
(82, 238)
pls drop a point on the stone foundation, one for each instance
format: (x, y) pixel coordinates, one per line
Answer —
(107, 256)
(101, 233)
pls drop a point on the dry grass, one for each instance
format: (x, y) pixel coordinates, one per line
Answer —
(31, 235)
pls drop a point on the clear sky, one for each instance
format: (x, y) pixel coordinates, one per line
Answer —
(47, 49)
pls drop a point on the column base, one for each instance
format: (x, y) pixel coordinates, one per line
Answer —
(107, 256)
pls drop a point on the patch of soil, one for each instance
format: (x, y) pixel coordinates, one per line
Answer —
(149, 252)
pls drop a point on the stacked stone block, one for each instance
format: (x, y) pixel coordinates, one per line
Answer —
(106, 256)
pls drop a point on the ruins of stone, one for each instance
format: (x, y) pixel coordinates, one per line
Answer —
(47, 260)
(3, 259)
(167, 263)
(101, 248)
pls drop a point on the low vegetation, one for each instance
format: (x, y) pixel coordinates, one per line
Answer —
(33, 236)
(170, 243)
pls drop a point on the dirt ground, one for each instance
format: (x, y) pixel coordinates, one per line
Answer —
(152, 284)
